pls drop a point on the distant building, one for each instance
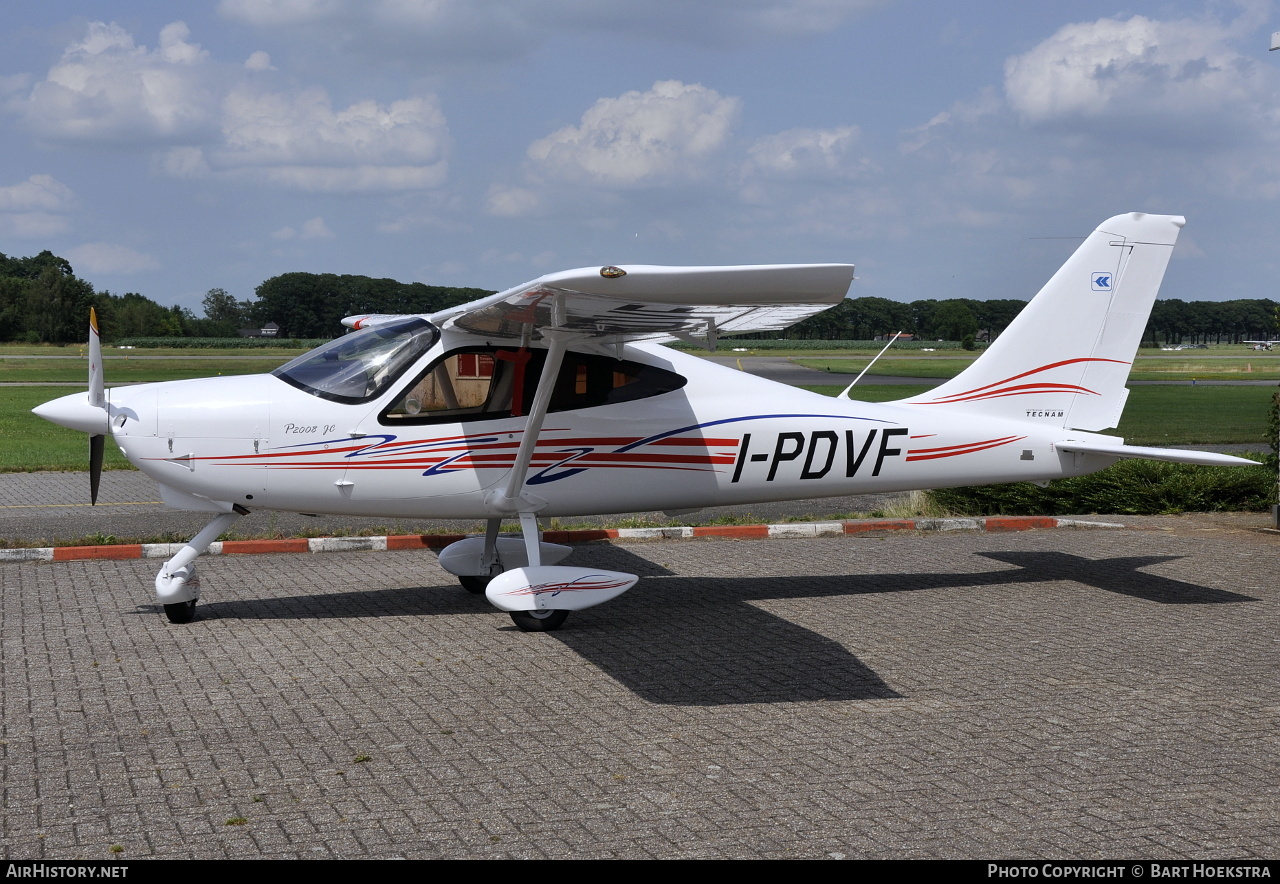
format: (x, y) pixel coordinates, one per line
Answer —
(270, 330)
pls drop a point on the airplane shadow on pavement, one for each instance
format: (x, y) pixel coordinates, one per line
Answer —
(699, 641)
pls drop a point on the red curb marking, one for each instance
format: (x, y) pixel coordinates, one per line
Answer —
(74, 553)
(1018, 523)
(752, 531)
(250, 547)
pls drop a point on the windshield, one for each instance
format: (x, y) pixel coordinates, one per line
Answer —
(358, 366)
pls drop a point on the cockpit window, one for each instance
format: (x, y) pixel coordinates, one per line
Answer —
(361, 365)
(484, 383)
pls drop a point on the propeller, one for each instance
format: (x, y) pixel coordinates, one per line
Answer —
(87, 413)
(97, 399)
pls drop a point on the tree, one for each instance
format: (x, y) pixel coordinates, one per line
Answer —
(57, 305)
(224, 315)
(954, 320)
(312, 305)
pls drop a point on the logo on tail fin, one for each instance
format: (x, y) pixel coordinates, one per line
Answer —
(1101, 282)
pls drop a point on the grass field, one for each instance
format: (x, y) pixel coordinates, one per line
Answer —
(122, 370)
(109, 352)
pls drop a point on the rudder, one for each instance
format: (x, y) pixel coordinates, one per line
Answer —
(1067, 355)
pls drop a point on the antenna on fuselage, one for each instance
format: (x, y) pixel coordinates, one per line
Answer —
(845, 393)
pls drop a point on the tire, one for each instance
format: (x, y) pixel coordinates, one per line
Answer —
(539, 621)
(475, 585)
(181, 612)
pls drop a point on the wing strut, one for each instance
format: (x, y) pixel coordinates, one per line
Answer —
(513, 499)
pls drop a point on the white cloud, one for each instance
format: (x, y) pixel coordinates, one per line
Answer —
(1129, 72)
(259, 61)
(38, 193)
(36, 207)
(105, 88)
(316, 229)
(106, 258)
(300, 142)
(511, 202)
(208, 122)
(174, 47)
(966, 111)
(181, 162)
(33, 225)
(807, 153)
(1104, 116)
(662, 136)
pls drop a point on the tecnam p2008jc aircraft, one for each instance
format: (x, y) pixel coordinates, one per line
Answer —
(556, 398)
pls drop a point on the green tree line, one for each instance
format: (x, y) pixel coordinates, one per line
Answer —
(43, 301)
(1172, 321)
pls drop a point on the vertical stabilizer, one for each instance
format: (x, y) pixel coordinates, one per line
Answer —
(1065, 359)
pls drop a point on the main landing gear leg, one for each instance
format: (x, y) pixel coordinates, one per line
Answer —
(177, 585)
(479, 583)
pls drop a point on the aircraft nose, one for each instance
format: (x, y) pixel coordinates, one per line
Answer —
(74, 412)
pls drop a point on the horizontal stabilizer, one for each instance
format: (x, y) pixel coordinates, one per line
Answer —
(1172, 455)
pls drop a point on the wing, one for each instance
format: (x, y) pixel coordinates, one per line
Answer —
(644, 302)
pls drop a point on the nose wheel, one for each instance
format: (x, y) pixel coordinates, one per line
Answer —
(181, 612)
(539, 621)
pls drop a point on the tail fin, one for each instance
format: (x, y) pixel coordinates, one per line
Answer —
(1067, 355)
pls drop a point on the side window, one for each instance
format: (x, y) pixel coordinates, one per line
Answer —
(587, 381)
(484, 383)
(463, 385)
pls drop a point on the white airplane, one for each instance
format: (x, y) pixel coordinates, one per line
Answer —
(556, 398)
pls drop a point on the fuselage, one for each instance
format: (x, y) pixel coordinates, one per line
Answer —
(701, 435)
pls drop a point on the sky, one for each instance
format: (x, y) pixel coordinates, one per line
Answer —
(948, 150)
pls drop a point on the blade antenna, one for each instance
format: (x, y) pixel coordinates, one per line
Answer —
(845, 393)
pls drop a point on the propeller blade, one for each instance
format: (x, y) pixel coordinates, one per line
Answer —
(97, 398)
(96, 447)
